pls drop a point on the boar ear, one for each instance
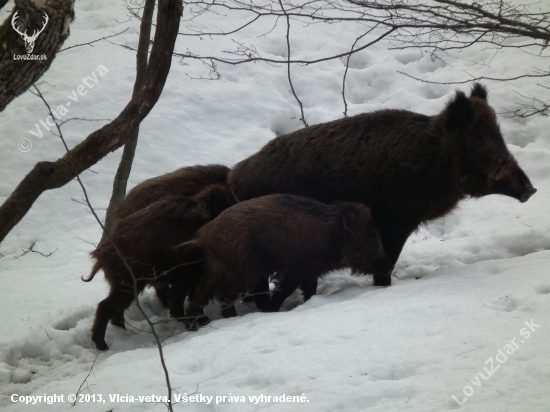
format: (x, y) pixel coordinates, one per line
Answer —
(459, 113)
(479, 91)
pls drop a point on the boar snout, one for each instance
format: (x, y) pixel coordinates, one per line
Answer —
(518, 185)
(529, 191)
(512, 181)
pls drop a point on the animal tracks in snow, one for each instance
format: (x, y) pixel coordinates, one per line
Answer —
(505, 304)
(510, 303)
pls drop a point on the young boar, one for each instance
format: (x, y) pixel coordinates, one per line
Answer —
(407, 167)
(299, 238)
(146, 239)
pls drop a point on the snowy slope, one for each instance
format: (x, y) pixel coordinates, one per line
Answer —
(464, 285)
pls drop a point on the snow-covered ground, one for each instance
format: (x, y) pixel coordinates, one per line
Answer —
(469, 312)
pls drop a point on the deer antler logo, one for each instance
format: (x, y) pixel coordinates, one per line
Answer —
(29, 40)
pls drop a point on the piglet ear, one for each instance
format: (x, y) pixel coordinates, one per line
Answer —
(479, 91)
(459, 113)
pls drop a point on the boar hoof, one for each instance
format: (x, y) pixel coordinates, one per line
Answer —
(118, 323)
(382, 280)
(101, 345)
(191, 326)
(194, 324)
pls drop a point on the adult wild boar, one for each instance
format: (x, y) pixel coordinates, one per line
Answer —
(299, 238)
(146, 239)
(407, 167)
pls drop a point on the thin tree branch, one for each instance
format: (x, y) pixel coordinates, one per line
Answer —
(347, 67)
(120, 181)
(93, 41)
(85, 379)
(303, 118)
(235, 62)
(497, 79)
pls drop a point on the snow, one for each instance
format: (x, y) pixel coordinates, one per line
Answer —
(463, 288)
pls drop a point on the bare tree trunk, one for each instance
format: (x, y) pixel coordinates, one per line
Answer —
(125, 166)
(52, 175)
(17, 75)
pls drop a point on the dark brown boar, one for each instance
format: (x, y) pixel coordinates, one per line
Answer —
(299, 238)
(186, 181)
(407, 167)
(146, 239)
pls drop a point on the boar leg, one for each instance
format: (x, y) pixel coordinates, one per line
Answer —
(194, 316)
(228, 310)
(202, 320)
(117, 319)
(288, 283)
(393, 240)
(309, 288)
(261, 294)
(227, 305)
(113, 305)
(180, 289)
(163, 293)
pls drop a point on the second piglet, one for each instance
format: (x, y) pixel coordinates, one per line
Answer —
(297, 237)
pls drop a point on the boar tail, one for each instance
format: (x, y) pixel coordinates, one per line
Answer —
(95, 269)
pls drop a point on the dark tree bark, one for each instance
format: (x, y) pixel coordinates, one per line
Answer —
(125, 166)
(16, 76)
(52, 175)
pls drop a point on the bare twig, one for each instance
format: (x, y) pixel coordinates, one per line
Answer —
(31, 249)
(61, 123)
(235, 62)
(523, 76)
(85, 379)
(303, 118)
(537, 106)
(346, 70)
(94, 41)
(213, 73)
(88, 242)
